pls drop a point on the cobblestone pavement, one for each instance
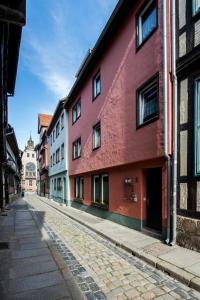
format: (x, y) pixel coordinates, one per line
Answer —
(102, 270)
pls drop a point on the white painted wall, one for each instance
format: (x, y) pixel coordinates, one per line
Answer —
(62, 138)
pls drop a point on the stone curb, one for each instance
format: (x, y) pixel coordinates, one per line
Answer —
(65, 272)
(177, 273)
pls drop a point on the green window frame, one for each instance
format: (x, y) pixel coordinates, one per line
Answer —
(195, 7)
(197, 128)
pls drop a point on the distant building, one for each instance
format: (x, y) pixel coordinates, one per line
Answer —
(29, 167)
(58, 154)
(43, 155)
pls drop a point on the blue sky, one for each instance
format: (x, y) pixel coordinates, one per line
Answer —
(54, 42)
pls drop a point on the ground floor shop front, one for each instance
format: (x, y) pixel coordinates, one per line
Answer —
(59, 188)
(132, 195)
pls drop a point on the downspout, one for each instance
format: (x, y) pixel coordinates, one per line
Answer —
(165, 100)
(174, 78)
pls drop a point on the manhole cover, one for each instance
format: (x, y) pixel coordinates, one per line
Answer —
(4, 245)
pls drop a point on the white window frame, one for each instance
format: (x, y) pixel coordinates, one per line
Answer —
(100, 176)
(95, 92)
(76, 149)
(76, 111)
(141, 103)
(96, 139)
(140, 39)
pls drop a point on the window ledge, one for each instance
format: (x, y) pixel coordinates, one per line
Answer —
(155, 118)
(78, 200)
(99, 205)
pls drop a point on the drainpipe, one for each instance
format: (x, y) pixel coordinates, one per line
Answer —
(174, 78)
(165, 100)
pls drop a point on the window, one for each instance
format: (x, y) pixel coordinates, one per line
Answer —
(51, 161)
(96, 85)
(54, 159)
(28, 155)
(197, 128)
(147, 102)
(54, 184)
(101, 189)
(76, 149)
(146, 22)
(51, 139)
(58, 155)
(30, 182)
(32, 155)
(96, 138)
(62, 121)
(196, 6)
(62, 151)
(79, 188)
(54, 135)
(76, 111)
(58, 129)
(59, 184)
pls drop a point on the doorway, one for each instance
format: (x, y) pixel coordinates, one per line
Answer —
(154, 198)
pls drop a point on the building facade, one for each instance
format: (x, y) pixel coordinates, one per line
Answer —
(58, 155)
(29, 168)
(42, 150)
(188, 73)
(12, 19)
(116, 114)
(13, 168)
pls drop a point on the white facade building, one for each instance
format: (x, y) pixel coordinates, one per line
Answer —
(58, 155)
(29, 168)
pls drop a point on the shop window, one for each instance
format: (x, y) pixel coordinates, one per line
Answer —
(101, 189)
(79, 188)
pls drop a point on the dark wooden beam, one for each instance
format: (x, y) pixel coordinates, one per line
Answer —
(12, 16)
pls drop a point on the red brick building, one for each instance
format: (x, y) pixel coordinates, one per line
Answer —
(43, 155)
(119, 137)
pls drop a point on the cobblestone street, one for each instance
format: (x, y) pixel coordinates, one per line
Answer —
(102, 270)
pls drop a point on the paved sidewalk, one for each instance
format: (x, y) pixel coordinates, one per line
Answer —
(30, 267)
(180, 263)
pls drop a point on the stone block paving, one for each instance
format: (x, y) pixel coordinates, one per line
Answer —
(103, 270)
(27, 268)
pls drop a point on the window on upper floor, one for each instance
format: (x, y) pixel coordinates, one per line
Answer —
(62, 121)
(54, 135)
(196, 6)
(54, 159)
(79, 188)
(32, 155)
(96, 86)
(146, 21)
(30, 182)
(76, 111)
(28, 155)
(54, 184)
(51, 161)
(58, 155)
(76, 149)
(197, 128)
(58, 129)
(62, 151)
(101, 189)
(147, 102)
(96, 137)
(51, 139)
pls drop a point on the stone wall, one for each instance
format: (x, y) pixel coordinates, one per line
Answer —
(188, 233)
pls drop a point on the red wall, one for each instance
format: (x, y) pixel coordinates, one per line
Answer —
(123, 70)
